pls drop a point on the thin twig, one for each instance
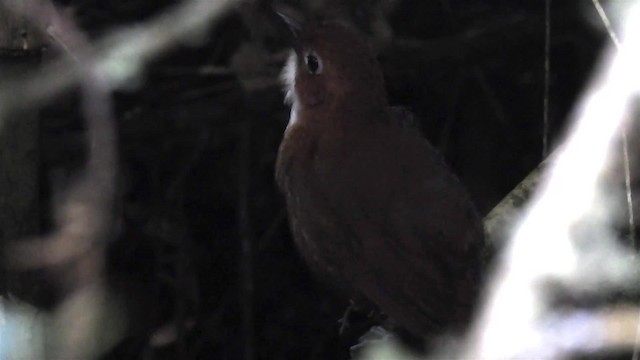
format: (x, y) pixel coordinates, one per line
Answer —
(627, 185)
(244, 232)
(547, 67)
(607, 24)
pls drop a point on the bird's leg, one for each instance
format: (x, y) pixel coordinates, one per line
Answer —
(375, 335)
(344, 320)
(360, 315)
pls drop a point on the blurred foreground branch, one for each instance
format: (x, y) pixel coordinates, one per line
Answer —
(88, 321)
(567, 232)
(118, 57)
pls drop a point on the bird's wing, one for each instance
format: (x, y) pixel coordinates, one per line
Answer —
(419, 233)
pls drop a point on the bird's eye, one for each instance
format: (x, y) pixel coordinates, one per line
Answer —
(313, 63)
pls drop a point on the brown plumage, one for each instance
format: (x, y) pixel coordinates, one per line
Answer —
(373, 209)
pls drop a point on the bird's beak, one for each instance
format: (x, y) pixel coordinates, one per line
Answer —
(290, 29)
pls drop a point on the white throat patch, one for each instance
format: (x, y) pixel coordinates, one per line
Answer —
(288, 78)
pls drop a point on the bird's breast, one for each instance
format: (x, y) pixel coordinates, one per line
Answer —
(308, 170)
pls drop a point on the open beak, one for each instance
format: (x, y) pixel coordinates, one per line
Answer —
(290, 28)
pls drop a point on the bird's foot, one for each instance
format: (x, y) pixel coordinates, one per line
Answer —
(374, 336)
(344, 320)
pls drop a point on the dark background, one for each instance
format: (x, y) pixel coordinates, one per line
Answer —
(199, 132)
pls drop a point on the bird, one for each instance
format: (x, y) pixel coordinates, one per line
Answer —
(373, 208)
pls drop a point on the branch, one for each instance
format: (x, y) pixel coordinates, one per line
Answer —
(567, 230)
(118, 57)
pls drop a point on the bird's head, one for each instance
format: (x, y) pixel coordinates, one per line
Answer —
(331, 64)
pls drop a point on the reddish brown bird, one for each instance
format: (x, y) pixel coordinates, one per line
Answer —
(373, 209)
